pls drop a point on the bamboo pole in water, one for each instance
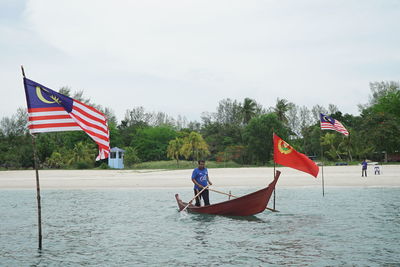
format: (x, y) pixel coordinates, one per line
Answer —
(36, 163)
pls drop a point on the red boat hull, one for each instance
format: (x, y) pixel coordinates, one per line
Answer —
(247, 205)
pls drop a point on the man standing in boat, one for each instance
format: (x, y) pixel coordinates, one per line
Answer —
(200, 179)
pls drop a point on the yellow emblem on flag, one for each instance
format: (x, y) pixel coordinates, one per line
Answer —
(41, 97)
(284, 147)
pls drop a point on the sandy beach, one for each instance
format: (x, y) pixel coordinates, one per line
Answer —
(227, 177)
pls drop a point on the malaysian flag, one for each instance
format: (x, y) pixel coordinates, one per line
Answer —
(50, 111)
(329, 123)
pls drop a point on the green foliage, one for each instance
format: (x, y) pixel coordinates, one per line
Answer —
(311, 140)
(174, 150)
(16, 125)
(116, 139)
(235, 154)
(249, 110)
(82, 155)
(171, 165)
(83, 152)
(389, 104)
(219, 136)
(151, 143)
(229, 112)
(281, 108)
(380, 130)
(80, 165)
(165, 164)
(104, 166)
(56, 161)
(258, 135)
(16, 151)
(380, 89)
(194, 147)
(331, 142)
(130, 156)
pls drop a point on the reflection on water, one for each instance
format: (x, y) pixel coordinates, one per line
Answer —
(143, 227)
(206, 218)
(252, 218)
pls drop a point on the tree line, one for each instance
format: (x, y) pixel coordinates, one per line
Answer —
(239, 131)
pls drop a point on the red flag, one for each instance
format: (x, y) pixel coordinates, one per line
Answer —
(285, 155)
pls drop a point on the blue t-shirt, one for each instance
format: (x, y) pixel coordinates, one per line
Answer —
(200, 176)
(364, 165)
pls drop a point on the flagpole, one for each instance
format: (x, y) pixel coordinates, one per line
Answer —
(274, 161)
(322, 162)
(328, 123)
(37, 182)
(274, 188)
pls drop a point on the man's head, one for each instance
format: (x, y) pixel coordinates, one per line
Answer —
(201, 163)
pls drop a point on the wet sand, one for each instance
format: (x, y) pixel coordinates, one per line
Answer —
(227, 177)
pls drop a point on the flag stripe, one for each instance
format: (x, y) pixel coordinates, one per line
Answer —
(35, 113)
(53, 129)
(85, 110)
(96, 136)
(46, 109)
(52, 125)
(55, 122)
(89, 109)
(54, 117)
(88, 125)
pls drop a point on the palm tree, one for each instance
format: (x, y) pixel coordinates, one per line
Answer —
(281, 108)
(248, 109)
(81, 152)
(329, 139)
(174, 149)
(346, 145)
(194, 146)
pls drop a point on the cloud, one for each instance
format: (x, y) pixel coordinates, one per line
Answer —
(182, 57)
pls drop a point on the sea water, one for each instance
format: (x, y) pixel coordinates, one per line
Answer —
(142, 227)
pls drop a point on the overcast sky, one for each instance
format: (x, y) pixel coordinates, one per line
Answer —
(183, 57)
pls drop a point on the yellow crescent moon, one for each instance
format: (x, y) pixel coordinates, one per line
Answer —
(40, 96)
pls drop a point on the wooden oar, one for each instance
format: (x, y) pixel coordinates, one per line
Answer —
(198, 194)
(222, 193)
(274, 210)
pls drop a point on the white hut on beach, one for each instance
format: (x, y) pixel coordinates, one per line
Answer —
(116, 158)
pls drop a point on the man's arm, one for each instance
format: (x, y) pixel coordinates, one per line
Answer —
(196, 183)
(208, 179)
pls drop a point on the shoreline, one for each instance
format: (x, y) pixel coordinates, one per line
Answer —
(334, 176)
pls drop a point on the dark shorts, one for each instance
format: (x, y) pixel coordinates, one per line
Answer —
(204, 195)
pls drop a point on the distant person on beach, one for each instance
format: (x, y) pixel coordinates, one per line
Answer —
(377, 170)
(200, 180)
(364, 168)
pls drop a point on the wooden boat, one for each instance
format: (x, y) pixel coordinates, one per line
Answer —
(246, 205)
